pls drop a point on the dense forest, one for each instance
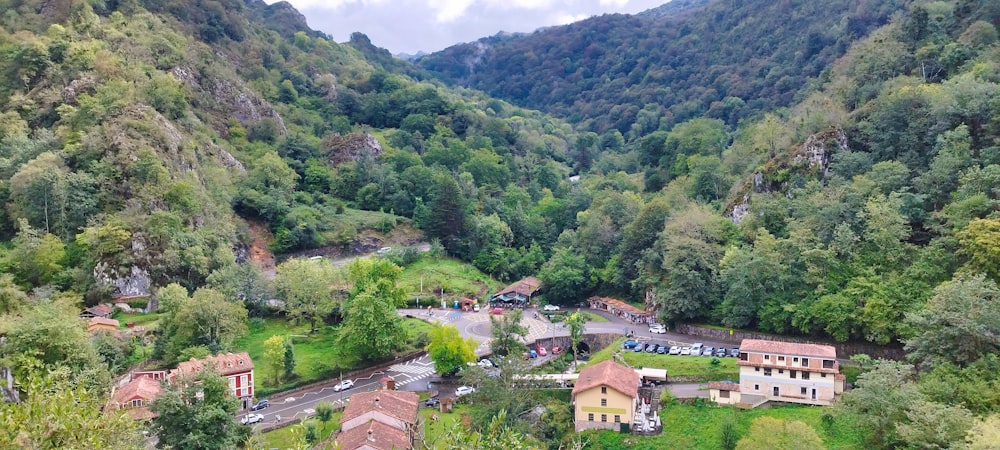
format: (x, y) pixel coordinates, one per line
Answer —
(820, 169)
(638, 74)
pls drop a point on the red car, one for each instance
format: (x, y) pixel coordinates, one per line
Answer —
(556, 350)
(541, 351)
(496, 311)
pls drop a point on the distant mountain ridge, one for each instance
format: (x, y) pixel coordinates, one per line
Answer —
(728, 59)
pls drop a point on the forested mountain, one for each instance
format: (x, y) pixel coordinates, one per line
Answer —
(636, 74)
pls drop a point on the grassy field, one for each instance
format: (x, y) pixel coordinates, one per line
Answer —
(698, 427)
(433, 430)
(147, 320)
(677, 366)
(459, 279)
(317, 356)
(287, 437)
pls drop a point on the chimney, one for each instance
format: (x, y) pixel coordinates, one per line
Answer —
(377, 404)
(371, 437)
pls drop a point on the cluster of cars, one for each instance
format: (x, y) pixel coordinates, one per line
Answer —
(694, 350)
(540, 351)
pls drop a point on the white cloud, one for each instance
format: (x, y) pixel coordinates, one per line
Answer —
(566, 18)
(449, 10)
(614, 3)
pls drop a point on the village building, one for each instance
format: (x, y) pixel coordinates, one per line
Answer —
(236, 368)
(517, 295)
(102, 310)
(606, 396)
(136, 396)
(380, 420)
(101, 324)
(622, 309)
(782, 372)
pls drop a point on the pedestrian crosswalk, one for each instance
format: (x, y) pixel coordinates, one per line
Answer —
(410, 371)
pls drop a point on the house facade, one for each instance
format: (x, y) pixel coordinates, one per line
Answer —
(377, 420)
(622, 309)
(606, 396)
(99, 324)
(136, 396)
(237, 368)
(784, 372)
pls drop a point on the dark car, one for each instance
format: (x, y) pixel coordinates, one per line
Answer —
(630, 344)
(639, 348)
(261, 404)
(735, 352)
(652, 348)
(720, 352)
(432, 402)
(662, 350)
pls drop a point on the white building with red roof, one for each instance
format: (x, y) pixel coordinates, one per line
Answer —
(136, 396)
(784, 372)
(380, 420)
(237, 368)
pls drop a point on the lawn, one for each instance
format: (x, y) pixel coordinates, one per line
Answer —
(676, 365)
(317, 356)
(288, 437)
(591, 317)
(435, 429)
(698, 427)
(459, 280)
(147, 320)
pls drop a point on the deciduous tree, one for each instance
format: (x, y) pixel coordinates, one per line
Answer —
(274, 356)
(959, 324)
(197, 413)
(507, 333)
(307, 289)
(448, 350)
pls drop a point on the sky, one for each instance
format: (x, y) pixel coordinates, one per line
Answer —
(409, 26)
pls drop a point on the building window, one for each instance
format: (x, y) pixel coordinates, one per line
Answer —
(827, 363)
(805, 375)
(767, 372)
(805, 362)
(723, 394)
(767, 357)
(590, 417)
(604, 389)
(756, 369)
(781, 358)
(803, 391)
(604, 417)
(791, 374)
(618, 419)
(781, 371)
(823, 375)
(604, 402)
(795, 359)
(756, 387)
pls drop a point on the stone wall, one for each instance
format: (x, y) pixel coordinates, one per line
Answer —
(844, 349)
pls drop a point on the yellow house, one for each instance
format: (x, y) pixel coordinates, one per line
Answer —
(606, 395)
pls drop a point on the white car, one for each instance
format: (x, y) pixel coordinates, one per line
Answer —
(250, 419)
(464, 390)
(550, 308)
(485, 363)
(657, 328)
(685, 350)
(343, 385)
(696, 349)
(675, 350)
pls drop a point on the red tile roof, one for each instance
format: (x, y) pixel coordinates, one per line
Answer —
(788, 348)
(101, 310)
(611, 374)
(373, 435)
(399, 404)
(621, 305)
(140, 388)
(101, 321)
(227, 364)
(526, 287)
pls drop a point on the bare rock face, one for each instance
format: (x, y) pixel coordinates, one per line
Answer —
(231, 98)
(740, 210)
(816, 151)
(351, 147)
(135, 283)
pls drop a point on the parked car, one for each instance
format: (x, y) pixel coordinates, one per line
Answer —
(720, 352)
(661, 349)
(657, 328)
(556, 350)
(734, 352)
(630, 344)
(464, 390)
(675, 350)
(384, 251)
(485, 363)
(251, 419)
(652, 348)
(708, 351)
(343, 385)
(261, 404)
(532, 354)
(685, 350)
(696, 349)
(550, 308)
(639, 348)
(432, 402)
(497, 311)
(542, 352)
(475, 308)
